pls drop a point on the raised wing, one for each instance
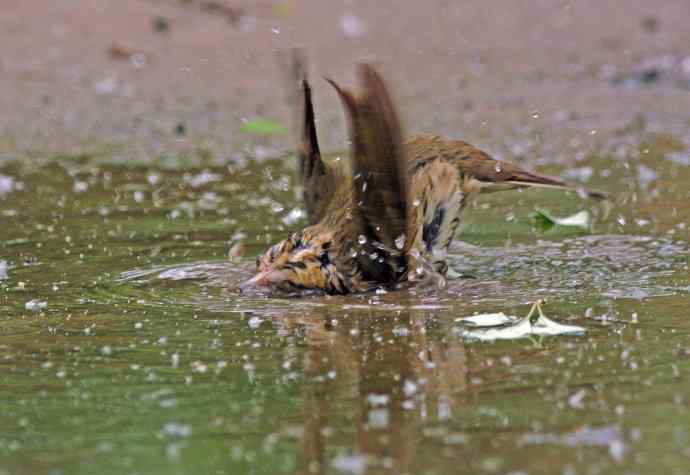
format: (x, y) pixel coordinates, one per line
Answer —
(379, 178)
(313, 173)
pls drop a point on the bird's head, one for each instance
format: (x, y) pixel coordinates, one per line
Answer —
(297, 265)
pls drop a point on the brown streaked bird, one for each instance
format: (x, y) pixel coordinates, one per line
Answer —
(389, 215)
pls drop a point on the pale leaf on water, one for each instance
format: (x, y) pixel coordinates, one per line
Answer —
(488, 319)
(580, 220)
(498, 326)
(546, 326)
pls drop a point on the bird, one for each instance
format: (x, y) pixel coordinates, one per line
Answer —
(387, 216)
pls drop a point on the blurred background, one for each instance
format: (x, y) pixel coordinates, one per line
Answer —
(167, 76)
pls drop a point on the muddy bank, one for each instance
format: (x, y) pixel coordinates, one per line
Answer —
(167, 77)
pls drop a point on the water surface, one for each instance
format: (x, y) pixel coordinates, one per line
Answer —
(125, 347)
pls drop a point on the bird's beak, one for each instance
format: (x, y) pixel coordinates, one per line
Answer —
(261, 282)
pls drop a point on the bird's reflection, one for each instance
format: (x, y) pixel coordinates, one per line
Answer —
(376, 376)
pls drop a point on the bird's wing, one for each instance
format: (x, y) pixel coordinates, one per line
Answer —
(313, 172)
(379, 178)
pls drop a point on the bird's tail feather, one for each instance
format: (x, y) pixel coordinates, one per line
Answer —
(497, 175)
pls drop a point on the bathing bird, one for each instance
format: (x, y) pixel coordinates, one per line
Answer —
(386, 216)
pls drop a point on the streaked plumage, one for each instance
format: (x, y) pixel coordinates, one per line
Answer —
(388, 215)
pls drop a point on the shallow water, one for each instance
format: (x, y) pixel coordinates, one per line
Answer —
(125, 348)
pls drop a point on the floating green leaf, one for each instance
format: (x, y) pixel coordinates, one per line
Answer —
(545, 221)
(263, 127)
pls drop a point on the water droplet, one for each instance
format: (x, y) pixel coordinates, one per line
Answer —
(498, 168)
(198, 367)
(352, 25)
(362, 239)
(352, 464)
(176, 429)
(80, 186)
(7, 184)
(255, 322)
(409, 388)
(138, 60)
(293, 216)
(106, 86)
(400, 241)
(35, 305)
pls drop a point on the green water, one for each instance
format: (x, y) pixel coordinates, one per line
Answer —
(126, 349)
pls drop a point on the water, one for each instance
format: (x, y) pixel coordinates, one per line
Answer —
(125, 347)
